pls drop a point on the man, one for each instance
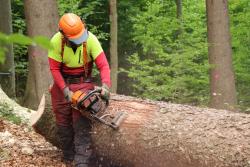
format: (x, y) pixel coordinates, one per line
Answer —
(71, 61)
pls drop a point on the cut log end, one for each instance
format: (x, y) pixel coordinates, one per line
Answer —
(36, 116)
(43, 121)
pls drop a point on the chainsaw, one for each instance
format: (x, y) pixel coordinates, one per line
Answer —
(93, 106)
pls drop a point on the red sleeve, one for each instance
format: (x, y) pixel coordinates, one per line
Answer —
(55, 68)
(103, 67)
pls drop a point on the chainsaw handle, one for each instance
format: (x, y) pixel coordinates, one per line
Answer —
(98, 90)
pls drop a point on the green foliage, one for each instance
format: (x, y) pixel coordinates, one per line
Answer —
(6, 112)
(96, 15)
(169, 58)
(91, 12)
(68, 6)
(2, 52)
(2, 47)
(21, 64)
(18, 21)
(171, 63)
(240, 23)
(21, 39)
(165, 58)
(20, 51)
(127, 9)
(43, 42)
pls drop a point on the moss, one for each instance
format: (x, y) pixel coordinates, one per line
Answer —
(6, 113)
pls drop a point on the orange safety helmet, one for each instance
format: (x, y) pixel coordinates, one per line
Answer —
(73, 28)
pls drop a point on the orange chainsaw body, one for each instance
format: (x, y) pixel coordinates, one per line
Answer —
(91, 105)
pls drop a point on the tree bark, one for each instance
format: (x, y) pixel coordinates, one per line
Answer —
(178, 9)
(222, 83)
(42, 18)
(162, 134)
(23, 113)
(113, 45)
(43, 121)
(179, 18)
(7, 69)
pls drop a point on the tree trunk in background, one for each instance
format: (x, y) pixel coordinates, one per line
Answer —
(113, 45)
(178, 8)
(222, 83)
(179, 17)
(7, 69)
(159, 134)
(42, 19)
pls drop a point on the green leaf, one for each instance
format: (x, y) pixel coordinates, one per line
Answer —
(2, 54)
(43, 42)
(3, 37)
(20, 39)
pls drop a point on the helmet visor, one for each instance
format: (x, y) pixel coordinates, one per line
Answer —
(81, 39)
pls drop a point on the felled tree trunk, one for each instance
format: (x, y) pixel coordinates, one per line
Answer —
(21, 112)
(164, 135)
(161, 134)
(43, 121)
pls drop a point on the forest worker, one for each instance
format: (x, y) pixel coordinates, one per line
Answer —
(71, 61)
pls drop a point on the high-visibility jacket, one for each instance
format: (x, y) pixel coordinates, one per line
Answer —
(69, 62)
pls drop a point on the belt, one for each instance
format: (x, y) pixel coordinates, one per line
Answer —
(77, 80)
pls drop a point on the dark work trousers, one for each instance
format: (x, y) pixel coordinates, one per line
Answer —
(73, 128)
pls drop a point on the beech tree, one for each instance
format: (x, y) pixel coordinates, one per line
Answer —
(42, 19)
(7, 69)
(222, 83)
(179, 8)
(113, 44)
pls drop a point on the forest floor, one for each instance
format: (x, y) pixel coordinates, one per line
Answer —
(20, 146)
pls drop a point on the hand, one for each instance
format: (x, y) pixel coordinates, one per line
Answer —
(105, 93)
(67, 94)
